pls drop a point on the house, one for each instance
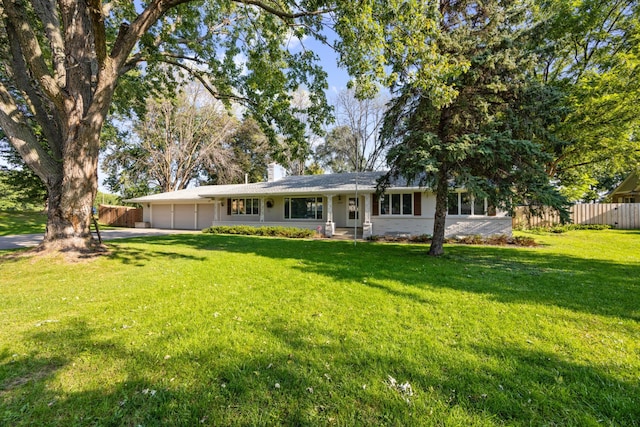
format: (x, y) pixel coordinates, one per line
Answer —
(323, 203)
(628, 191)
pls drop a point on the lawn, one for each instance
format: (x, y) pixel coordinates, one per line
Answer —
(233, 330)
(17, 222)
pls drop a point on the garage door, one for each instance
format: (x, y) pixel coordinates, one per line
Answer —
(161, 216)
(184, 217)
(205, 216)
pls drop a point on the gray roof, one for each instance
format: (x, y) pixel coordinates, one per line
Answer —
(289, 185)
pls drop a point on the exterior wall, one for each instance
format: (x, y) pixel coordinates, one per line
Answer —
(456, 225)
(482, 225)
(146, 213)
(186, 216)
(414, 226)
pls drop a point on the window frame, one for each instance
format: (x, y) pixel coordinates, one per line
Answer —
(318, 208)
(254, 202)
(470, 203)
(387, 200)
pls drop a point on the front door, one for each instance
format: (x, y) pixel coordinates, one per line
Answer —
(353, 213)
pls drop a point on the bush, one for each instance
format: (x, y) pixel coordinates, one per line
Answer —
(422, 238)
(493, 240)
(569, 227)
(270, 231)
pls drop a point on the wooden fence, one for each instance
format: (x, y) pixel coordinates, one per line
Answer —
(119, 216)
(617, 215)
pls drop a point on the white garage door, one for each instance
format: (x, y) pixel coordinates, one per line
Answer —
(161, 216)
(184, 217)
(205, 216)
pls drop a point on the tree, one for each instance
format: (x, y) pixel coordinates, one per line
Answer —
(251, 153)
(589, 50)
(175, 144)
(466, 138)
(339, 150)
(58, 84)
(355, 143)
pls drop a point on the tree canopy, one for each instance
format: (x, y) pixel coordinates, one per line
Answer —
(466, 137)
(590, 52)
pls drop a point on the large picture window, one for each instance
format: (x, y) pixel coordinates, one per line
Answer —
(396, 204)
(245, 206)
(462, 203)
(303, 208)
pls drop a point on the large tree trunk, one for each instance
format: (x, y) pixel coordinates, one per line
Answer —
(71, 196)
(53, 109)
(439, 223)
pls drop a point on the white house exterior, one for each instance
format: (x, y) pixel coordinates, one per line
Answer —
(323, 203)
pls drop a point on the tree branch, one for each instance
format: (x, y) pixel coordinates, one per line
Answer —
(21, 136)
(30, 48)
(99, 34)
(207, 85)
(129, 35)
(50, 20)
(281, 13)
(33, 98)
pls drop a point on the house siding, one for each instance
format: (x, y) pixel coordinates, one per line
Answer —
(189, 209)
(485, 226)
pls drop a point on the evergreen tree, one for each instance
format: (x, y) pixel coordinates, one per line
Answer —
(467, 139)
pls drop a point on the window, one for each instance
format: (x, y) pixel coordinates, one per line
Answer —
(245, 206)
(303, 208)
(396, 204)
(462, 203)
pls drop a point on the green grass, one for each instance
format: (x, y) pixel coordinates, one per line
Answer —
(18, 222)
(233, 330)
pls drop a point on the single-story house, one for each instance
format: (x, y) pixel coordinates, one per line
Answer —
(323, 203)
(628, 191)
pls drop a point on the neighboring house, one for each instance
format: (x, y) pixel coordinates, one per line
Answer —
(321, 202)
(628, 191)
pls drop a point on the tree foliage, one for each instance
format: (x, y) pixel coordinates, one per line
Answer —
(251, 154)
(464, 137)
(590, 51)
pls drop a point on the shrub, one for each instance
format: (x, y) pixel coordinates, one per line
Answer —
(422, 238)
(569, 227)
(524, 241)
(493, 240)
(270, 231)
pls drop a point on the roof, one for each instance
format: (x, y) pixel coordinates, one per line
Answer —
(631, 185)
(290, 185)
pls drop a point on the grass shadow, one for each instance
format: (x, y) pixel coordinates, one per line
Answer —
(506, 274)
(292, 383)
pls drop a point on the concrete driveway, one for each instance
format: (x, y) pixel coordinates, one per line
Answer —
(30, 240)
